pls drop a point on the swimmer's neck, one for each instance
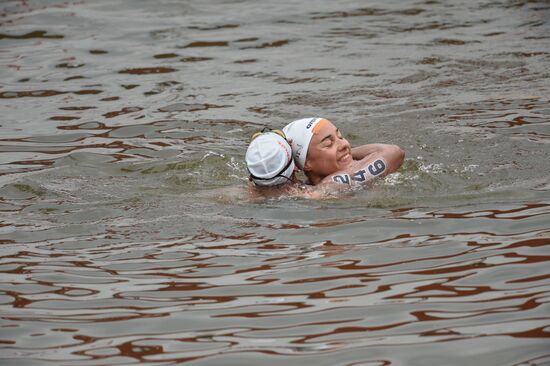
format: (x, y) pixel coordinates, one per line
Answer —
(313, 179)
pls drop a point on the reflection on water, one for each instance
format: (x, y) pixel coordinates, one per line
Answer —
(126, 235)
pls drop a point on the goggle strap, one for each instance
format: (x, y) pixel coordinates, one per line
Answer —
(265, 130)
(276, 175)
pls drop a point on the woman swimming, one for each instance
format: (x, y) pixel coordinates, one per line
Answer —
(319, 149)
(271, 167)
(326, 157)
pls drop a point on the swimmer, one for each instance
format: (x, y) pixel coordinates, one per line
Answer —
(326, 157)
(271, 167)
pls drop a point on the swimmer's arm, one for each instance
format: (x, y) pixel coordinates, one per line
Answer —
(324, 191)
(327, 189)
(361, 152)
(386, 160)
(392, 155)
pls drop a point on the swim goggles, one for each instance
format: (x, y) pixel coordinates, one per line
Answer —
(265, 130)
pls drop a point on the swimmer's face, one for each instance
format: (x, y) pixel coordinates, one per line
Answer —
(328, 151)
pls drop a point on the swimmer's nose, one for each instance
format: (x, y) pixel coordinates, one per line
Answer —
(343, 144)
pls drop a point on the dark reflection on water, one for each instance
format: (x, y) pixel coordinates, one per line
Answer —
(126, 235)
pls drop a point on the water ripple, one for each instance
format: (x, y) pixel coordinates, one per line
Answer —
(127, 231)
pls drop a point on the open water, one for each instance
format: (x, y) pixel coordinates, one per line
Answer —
(125, 235)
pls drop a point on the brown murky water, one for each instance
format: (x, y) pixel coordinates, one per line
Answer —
(125, 239)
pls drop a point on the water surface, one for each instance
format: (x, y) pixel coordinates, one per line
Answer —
(125, 235)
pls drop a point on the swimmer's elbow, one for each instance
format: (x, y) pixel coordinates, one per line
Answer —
(400, 154)
(396, 156)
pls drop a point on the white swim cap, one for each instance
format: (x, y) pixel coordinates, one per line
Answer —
(269, 159)
(299, 133)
